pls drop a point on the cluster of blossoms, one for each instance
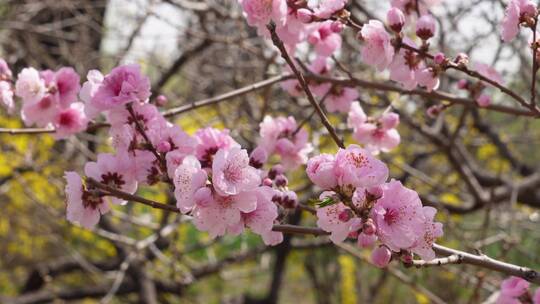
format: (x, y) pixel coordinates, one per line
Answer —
(376, 133)
(320, 23)
(225, 188)
(515, 290)
(358, 203)
(49, 98)
(216, 182)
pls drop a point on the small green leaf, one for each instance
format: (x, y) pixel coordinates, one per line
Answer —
(327, 201)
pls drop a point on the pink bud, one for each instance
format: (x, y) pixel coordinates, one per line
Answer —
(483, 101)
(337, 27)
(529, 9)
(277, 198)
(275, 171)
(395, 19)
(434, 111)
(439, 58)
(390, 120)
(164, 147)
(258, 157)
(425, 27)
(313, 38)
(463, 84)
(345, 215)
(281, 180)
(374, 193)
(304, 15)
(462, 59)
(407, 257)
(381, 256)
(366, 241)
(267, 182)
(369, 227)
(161, 100)
(289, 199)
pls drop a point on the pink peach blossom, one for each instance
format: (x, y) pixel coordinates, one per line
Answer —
(381, 256)
(357, 167)
(340, 99)
(231, 172)
(115, 171)
(124, 84)
(70, 121)
(29, 86)
(398, 215)
(82, 207)
(188, 178)
(377, 50)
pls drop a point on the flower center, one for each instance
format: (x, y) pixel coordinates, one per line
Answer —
(232, 173)
(112, 179)
(391, 216)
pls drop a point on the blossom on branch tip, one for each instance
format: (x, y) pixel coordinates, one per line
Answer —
(381, 256)
(395, 19)
(30, 87)
(82, 206)
(70, 121)
(377, 134)
(232, 174)
(377, 50)
(281, 136)
(517, 12)
(425, 27)
(114, 171)
(123, 85)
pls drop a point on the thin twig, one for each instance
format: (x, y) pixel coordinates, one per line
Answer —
(279, 44)
(124, 195)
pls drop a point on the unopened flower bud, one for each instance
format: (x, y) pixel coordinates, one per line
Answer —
(425, 27)
(389, 120)
(463, 84)
(369, 227)
(483, 100)
(434, 111)
(164, 147)
(258, 157)
(381, 256)
(281, 180)
(395, 19)
(267, 182)
(528, 9)
(407, 257)
(374, 193)
(337, 27)
(439, 58)
(289, 199)
(462, 59)
(161, 100)
(275, 171)
(304, 15)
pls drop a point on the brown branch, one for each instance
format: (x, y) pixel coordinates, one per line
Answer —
(124, 195)
(226, 96)
(482, 261)
(279, 44)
